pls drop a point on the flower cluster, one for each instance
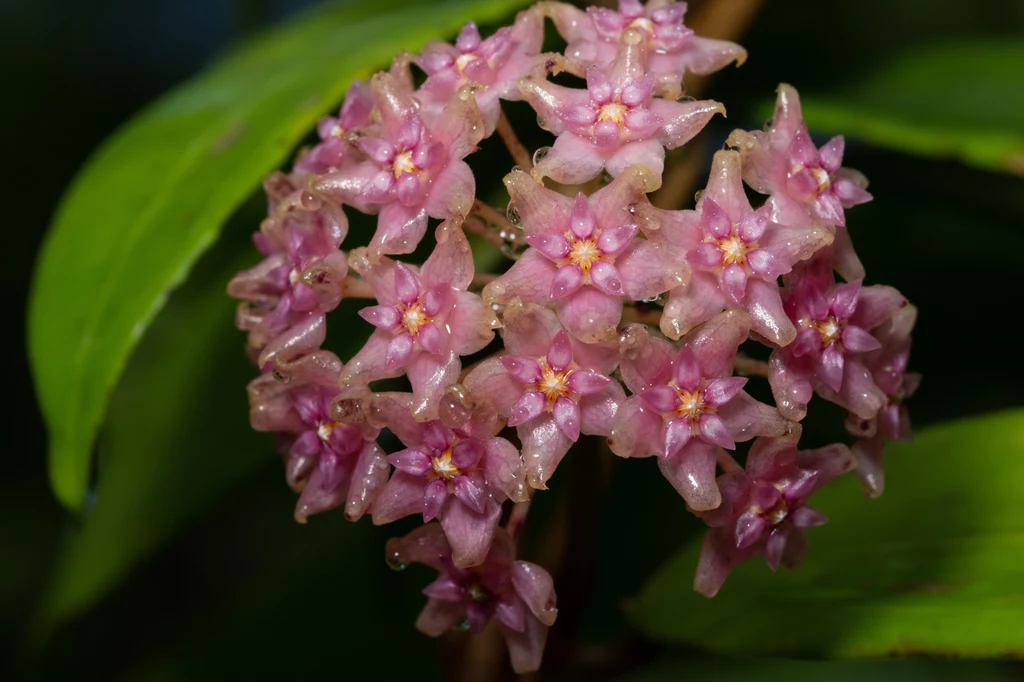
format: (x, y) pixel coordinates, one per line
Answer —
(619, 320)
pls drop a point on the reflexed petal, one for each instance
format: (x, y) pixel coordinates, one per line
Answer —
(553, 246)
(688, 371)
(544, 446)
(439, 617)
(805, 517)
(526, 370)
(401, 497)
(718, 392)
(605, 277)
(775, 547)
(438, 299)
(714, 220)
(567, 280)
(567, 415)
(857, 340)
(530, 406)
(400, 351)
(663, 399)
(434, 497)
(749, 529)
(407, 284)
(411, 461)
(677, 434)
(591, 315)
(714, 344)
(511, 613)
(470, 494)
(648, 270)
(586, 381)
(733, 280)
(598, 410)
(635, 430)
(384, 316)
(541, 210)
(614, 240)
(714, 430)
(445, 589)
(581, 221)
(692, 473)
(831, 368)
(559, 355)
(468, 532)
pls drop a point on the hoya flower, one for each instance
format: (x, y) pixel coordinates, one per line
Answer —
(414, 167)
(806, 185)
(552, 387)
(594, 35)
(735, 253)
(493, 65)
(686, 404)
(888, 367)
(828, 356)
(286, 295)
(457, 477)
(519, 595)
(425, 319)
(328, 462)
(332, 152)
(616, 122)
(584, 254)
(764, 509)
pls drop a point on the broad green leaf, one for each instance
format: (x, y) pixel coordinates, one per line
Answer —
(154, 196)
(696, 667)
(932, 567)
(176, 438)
(962, 101)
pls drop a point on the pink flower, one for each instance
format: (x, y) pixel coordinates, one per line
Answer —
(736, 255)
(332, 153)
(286, 295)
(328, 462)
(552, 386)
(583, 255)
(687, 404)
(888, 367)
(494, 65)
(615, 123)
(764, 508)
(593, 36)
(834, 323)
(807, 185)
(425, 320)
(519, 595)
(415, 167)
(460, 478)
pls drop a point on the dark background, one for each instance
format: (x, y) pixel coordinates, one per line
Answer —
(242, 591)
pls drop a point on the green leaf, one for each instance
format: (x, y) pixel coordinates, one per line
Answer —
(153, 198)
(177, 437)
(932, 567)
(962, 101)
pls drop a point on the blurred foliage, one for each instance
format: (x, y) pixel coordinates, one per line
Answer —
(189, 566)
(981, 122)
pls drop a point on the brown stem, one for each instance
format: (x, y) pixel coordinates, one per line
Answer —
(642, 314)
(728, 464)
(750, 366)
(477, 227)
(519, 153)
(491, 215)
(723, 19)
(517, 518)
(353, 287)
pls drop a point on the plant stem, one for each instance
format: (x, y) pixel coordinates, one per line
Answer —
(515, 148)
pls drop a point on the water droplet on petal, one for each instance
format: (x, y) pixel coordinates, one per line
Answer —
(461, 626)
(539, 155)
(513, 216)
(396, 564)
(517, 169)
(686, 98)
(698, 195)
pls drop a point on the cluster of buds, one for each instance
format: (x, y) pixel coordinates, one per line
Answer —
(618, 319)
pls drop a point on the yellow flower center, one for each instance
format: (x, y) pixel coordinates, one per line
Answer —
(734, 250)
(613, 111)
(324, 430)
(463, 61)
(584, 253)
(403, 164)
(691, 404)
(552, 384)
(644, 24)
(443, 467)
(413, 317)
(829, 328)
